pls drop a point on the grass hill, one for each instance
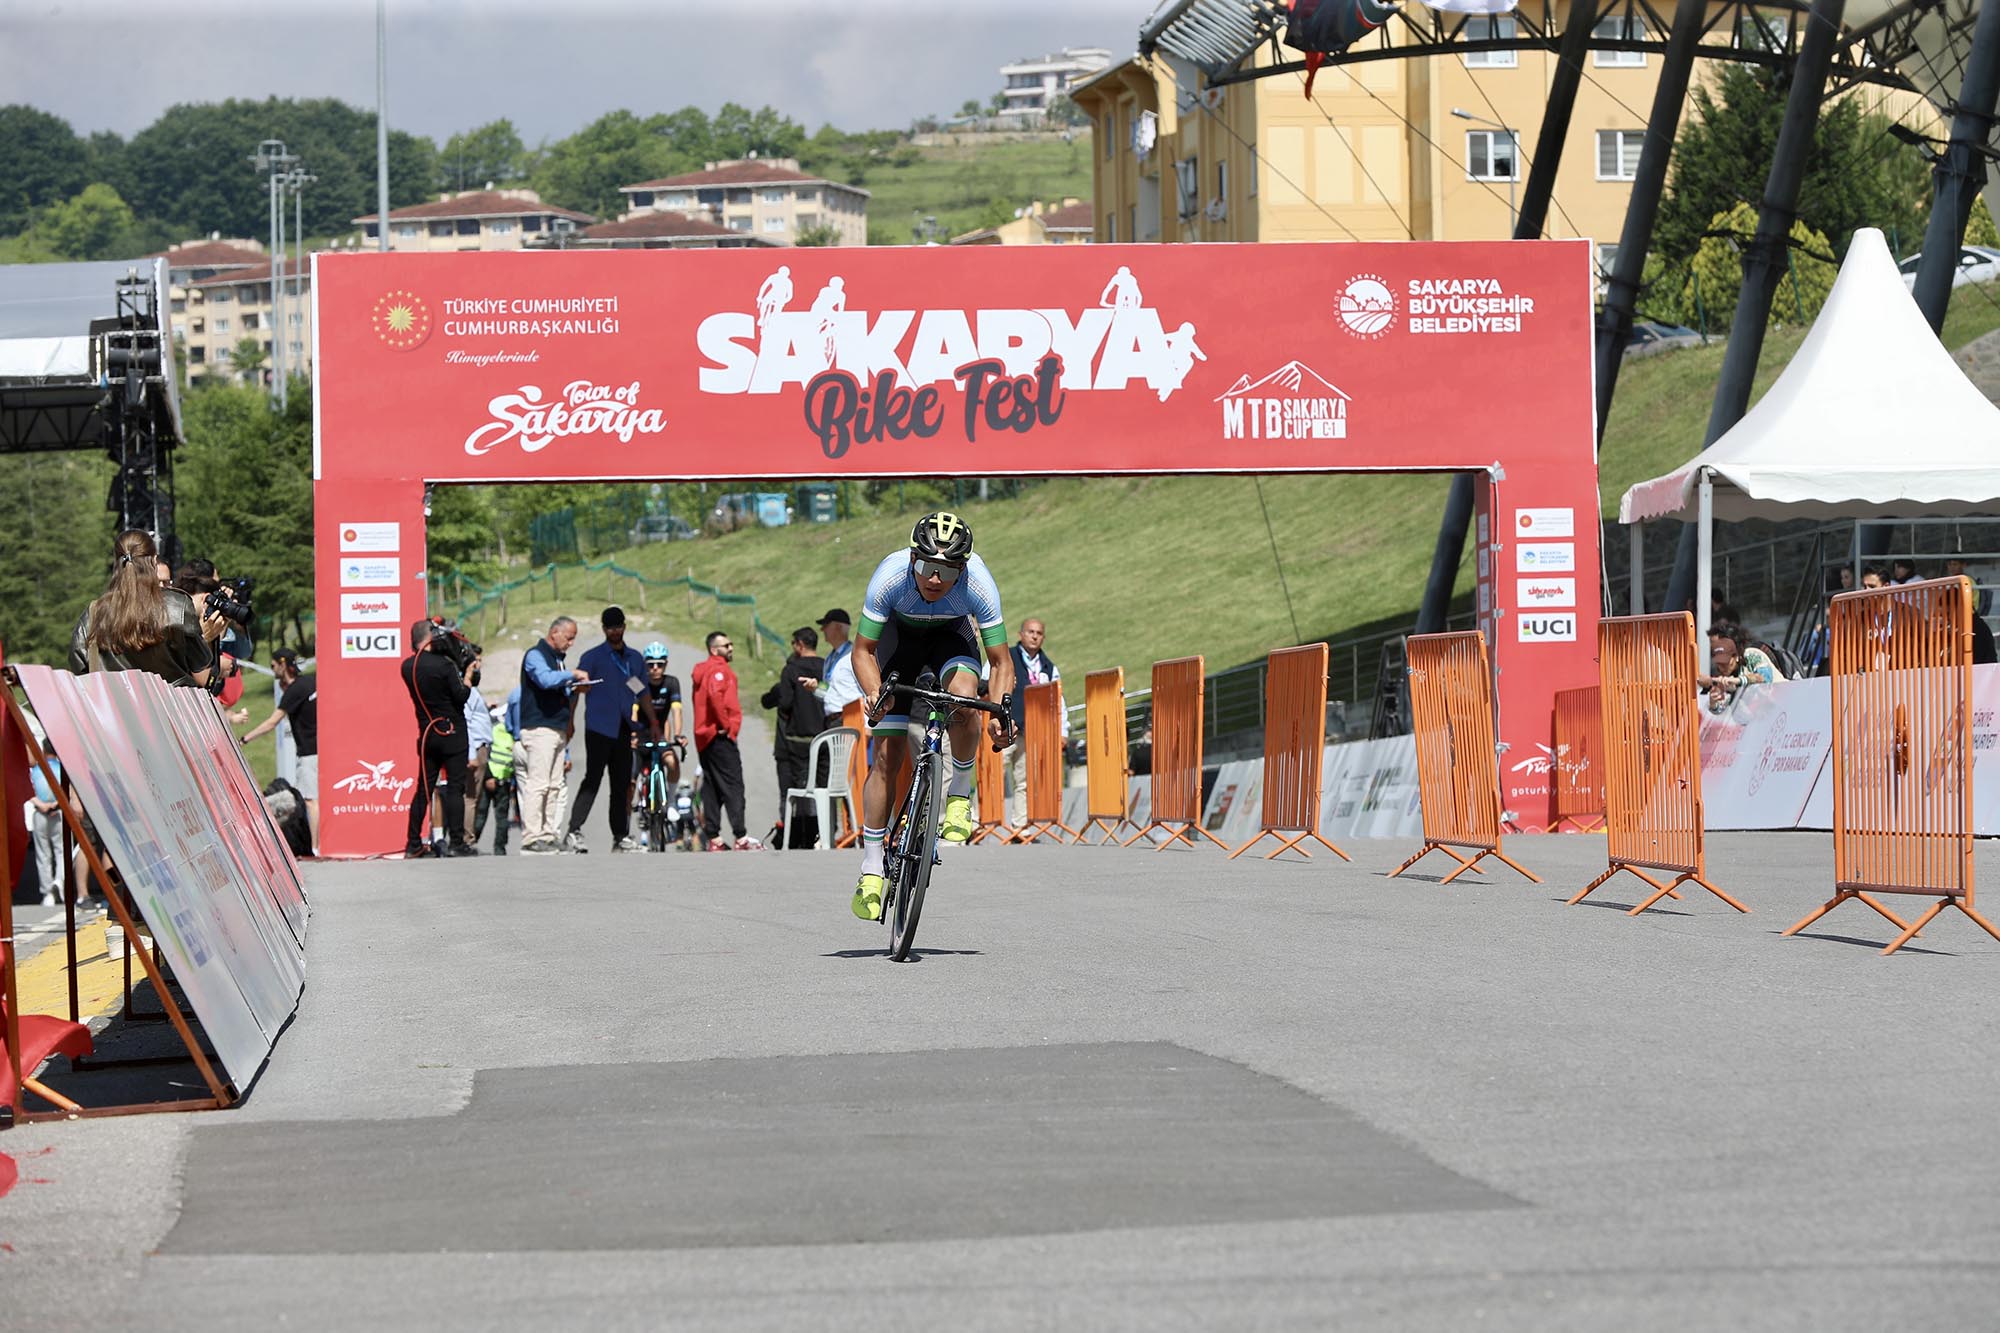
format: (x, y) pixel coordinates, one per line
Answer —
(1130, 570)
(969, 184)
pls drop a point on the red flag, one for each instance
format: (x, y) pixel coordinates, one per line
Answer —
(18, 789)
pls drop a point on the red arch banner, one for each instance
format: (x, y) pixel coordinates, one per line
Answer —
(976, 361)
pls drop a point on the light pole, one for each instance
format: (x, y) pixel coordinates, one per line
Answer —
(382, 126)
(272, 157)
(1513, 158)
(298, 178)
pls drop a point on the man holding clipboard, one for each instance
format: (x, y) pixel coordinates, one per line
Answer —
(618, 680)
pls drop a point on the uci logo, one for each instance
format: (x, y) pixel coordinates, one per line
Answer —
(371, 643)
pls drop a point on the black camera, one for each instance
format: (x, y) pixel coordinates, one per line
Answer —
(231, 601)
(448, 639)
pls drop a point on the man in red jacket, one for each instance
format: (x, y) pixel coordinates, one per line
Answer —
(718, 717)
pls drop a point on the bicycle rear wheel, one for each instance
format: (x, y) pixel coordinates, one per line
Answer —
(916, 841)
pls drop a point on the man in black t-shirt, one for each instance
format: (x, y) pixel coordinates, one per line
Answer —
(298, 704)
(438, 690)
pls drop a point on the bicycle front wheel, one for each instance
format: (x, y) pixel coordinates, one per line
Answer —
(916, 842)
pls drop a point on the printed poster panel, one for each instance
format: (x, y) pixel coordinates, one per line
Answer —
(1762, 757)
(143, 798)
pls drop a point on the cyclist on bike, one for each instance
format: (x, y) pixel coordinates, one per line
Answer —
(932, 607)
(665, 693)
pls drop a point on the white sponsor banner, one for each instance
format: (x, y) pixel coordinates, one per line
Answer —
(1762, 757)
(370, 537)
(371, 643)
(1544, 557)
(1532, 593)
(1545, 627)
(371, 608)
(1235, 809)
(1533, 525)
(1369, 790)
(370, 571)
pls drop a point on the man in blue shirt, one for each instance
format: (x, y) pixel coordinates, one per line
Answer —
(618, 674)
(544, 730)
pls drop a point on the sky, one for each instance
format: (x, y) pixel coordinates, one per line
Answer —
(550, 67)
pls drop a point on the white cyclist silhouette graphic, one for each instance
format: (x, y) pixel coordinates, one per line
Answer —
(774, 295)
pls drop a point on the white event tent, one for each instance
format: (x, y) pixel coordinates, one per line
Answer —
(1871, 419)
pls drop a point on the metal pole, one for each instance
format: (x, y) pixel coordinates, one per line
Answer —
(277, 377)
(1763, 262)
(1961, 169)
(1705, 542)
(1528, 223)
(382, 126)
(299, 180)
(1638, 535)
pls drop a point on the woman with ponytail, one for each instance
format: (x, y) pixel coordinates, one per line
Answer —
(139, 625)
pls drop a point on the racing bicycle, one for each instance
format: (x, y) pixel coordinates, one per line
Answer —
(658, 803)
(912, 847)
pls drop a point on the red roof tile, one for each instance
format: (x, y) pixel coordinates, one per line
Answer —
(209, 254)
(655, 224)
(261, 273)
(478, 204)
(741, 173)
(1071, 217)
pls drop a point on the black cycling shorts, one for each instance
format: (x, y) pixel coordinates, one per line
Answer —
(908, 650)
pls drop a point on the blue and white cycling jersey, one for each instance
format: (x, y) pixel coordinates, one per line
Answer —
(892, 594)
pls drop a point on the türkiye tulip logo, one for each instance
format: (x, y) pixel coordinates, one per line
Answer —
(401, 320)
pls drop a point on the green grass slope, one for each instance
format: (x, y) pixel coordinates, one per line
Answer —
(962, 184)
(1127, 571)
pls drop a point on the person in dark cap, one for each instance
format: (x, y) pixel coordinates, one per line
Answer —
(618, 682)
(837, 687)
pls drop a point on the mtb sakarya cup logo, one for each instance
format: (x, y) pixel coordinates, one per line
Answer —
(872, 375)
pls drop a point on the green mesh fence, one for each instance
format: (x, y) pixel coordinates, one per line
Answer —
(465, 598)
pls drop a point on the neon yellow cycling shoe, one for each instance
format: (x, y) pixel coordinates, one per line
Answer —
(957, 825)
(868, 898)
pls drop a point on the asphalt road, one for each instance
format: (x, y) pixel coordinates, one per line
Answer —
(1118, 1089)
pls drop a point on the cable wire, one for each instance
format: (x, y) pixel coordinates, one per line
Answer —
(1347, 143)
(1298, 635)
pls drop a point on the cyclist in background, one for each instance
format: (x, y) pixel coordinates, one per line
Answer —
(665, 692)
(931, 607)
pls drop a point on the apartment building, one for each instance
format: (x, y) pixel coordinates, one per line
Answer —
(769, 198)
(486, 219)
(1030, 85)
(1069, 223)
(1403, 149)
(233, 303)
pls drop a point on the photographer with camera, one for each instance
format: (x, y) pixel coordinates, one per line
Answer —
(300, 704)
(439, 684)
(138, 625)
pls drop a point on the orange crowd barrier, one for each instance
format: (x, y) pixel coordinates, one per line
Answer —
(1458, 764)
(1579, 767)
(1651, 712)
(855, 715)
(1041, 732)
(1109, 770)
(1177, 722)
(1294, 746)
(989, 779)
(1902, 750)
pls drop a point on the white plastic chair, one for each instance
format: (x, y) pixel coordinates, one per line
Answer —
(832, 747)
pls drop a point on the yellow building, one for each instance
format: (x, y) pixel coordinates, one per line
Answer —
(1071, 222)
(234, 303)
(1395, 149)
(764, 197)
(474, 220)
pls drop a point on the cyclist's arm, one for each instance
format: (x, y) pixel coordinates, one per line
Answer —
(867, 671)
(1000, 669)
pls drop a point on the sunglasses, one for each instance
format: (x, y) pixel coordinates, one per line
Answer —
(938, 569)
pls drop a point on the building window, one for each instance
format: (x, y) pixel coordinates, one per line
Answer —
(197, 354)
(440, 229)
(296, 319)
(222, 294)
(774, 196)
(250, 320)
(1492, 156)
(1222, 181)
(468, 226)
(532, 222)
(501, 227)
(1618, 154)
(222, 354)
(1762, 34)
(739, 224)
(408, 230)
(774, 225)
(1607, 259)
(1490, 28)
(679, 199)
(297, 349)
(642, 198)
(1619, 28)
(738, 197)
(369, 229)
(222, 324)
(1111, 228)
(808, 220)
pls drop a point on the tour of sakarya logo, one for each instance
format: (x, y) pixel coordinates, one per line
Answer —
(1551, 761)
(1367, 306)
(378, 778)
(583, 408)
(1293, 402)
(1103, 347)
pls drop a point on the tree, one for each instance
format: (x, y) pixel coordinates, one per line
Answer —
(586, 170)
(460, 533)
(1979, 228)
(472, 158)
(42, 162)
(55, 538)
(1724, 154)
(1716, 273)
(87, 226)
(248, 357)
(737, 132)
(996, 103)
(969, 107)
(821, 235)
(1062, 111)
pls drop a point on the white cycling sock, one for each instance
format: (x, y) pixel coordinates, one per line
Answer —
(871, 849)
(960, 782)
